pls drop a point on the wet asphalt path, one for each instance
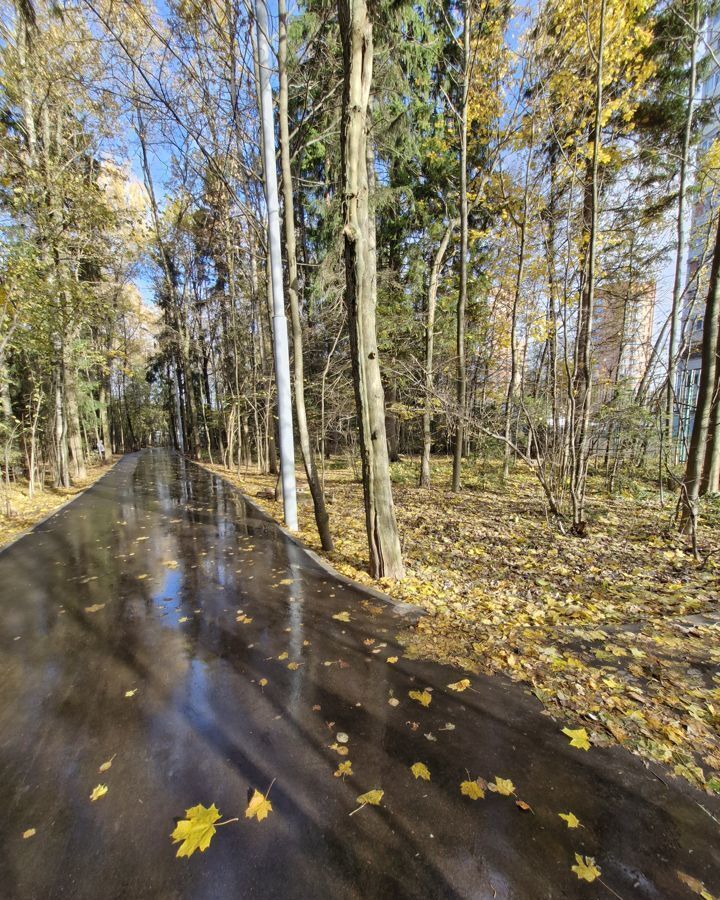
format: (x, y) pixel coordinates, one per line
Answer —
(137, 587)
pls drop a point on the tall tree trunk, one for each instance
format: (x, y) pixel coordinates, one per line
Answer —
(430, 351)
(582, 388)
(680, 232)
(316, 491)
(711, 467)
(62, 468)
(462, 294)
(72, 413)
(690, 490)
(360, 290)
(514, 381)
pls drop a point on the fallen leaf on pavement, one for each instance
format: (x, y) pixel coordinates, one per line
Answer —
(196, 830)
(106, 765)
(259, 807)
(585, 869)
(571, 819)
(502, 786)
(472, 790)
(98, 792)
(424, 698)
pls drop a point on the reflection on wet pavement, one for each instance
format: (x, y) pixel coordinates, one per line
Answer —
(160, 622)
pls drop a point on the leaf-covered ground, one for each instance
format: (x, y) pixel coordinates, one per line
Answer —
(19, 512)
(617, 632)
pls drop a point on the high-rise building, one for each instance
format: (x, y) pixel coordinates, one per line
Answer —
(622, 334)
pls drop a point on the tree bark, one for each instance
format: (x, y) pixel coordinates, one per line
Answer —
(711, 467)
(680, 232)
(582, 387)
(462, 294)
(430, 351)
(690, 490)
(316, 491)
(361, 290)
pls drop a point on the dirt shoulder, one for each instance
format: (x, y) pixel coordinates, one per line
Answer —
(617, 632)
(18, 512)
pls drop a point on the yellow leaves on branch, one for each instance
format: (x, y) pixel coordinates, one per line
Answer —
(578, 738)
(196, 830)
(420, 770)
(585, 868)
(424, 698)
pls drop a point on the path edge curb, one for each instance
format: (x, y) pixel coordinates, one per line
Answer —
(58, 509)
(408, 611)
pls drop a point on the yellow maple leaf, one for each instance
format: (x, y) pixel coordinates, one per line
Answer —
(342, 616)
(571, 819)
(293, 666)
(585, 869)
(372, 797)
(472, 790)
(420, 770)
(196, 830)
(263, 682)
(259, 807)
(578, 738)
(345, 768)
(392, 659)
(424, 698)
(461, 685)
(502, 786)
(99, 791)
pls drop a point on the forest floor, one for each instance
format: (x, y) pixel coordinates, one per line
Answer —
(19, 512)
(617, 631)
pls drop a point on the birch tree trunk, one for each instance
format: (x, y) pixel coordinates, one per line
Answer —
(462, 295)
(360, 290)
(583, 369)
(680, 232)
(316, 491)
(430, 351)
